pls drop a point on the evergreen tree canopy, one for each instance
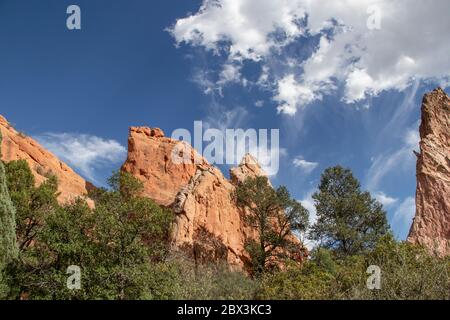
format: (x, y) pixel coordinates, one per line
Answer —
(275, 215)
(349, 221)
(8, 245)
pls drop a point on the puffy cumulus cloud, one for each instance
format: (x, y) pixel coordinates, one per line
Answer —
(411, 44)
(292, 93)
(245, 25)
(83, 152)
(306, 166)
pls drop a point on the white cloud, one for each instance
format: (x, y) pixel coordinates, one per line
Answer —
(405, 211)
(306, 166)
(222, 118)
(291, 93)
(411, 45)
(203, 80)
(269, 158)
(308, 203)
(245, 24)
(403, 217)
(259, 103)
(412, 138)
(384, 199)
(266, 151)
(229, 73)
(83, 152)
(403, 159)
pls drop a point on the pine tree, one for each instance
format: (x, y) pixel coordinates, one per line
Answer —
(349, 221)
(8, 245)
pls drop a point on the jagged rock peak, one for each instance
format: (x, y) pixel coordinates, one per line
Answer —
(151, 160)
(149, 132)
(431, 225)
(248, 168)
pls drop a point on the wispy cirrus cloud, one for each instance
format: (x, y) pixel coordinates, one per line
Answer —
(403, 217)
(402, 158)
(85, 153)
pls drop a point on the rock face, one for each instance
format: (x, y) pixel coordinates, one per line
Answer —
(209, 225)
(249, 167)
(150, 160)
(209, 221)
(431, 226)
(17, 146)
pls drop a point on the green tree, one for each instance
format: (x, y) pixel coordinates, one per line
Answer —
(8, 245)
(349, 221)
(120, 246)
(407, 272)
(32, 203)
(275, 215)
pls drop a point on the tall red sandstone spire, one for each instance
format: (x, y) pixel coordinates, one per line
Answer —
(431, 226)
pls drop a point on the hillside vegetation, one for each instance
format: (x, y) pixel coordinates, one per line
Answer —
(122, 246)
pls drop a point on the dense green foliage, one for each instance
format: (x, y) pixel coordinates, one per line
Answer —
(407, 272)
(121, 247)
(8, 246)
(349, 221)
(113, 244)
(275, 215)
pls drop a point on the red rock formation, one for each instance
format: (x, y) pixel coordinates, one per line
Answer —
(150, 160)
(249, 167)
(205, 205)
(16, 146)
(431, 226)
(208, 222)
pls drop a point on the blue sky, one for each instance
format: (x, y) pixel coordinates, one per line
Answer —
(143, 63)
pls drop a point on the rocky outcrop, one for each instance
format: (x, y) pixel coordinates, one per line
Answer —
(150, 159)
(205, 205)
(249, 167)
(16, 146)
(209, 225)
(431, 225)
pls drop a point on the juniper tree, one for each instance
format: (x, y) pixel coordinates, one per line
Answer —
(32, 203)
(8, 246)
(274, 214)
